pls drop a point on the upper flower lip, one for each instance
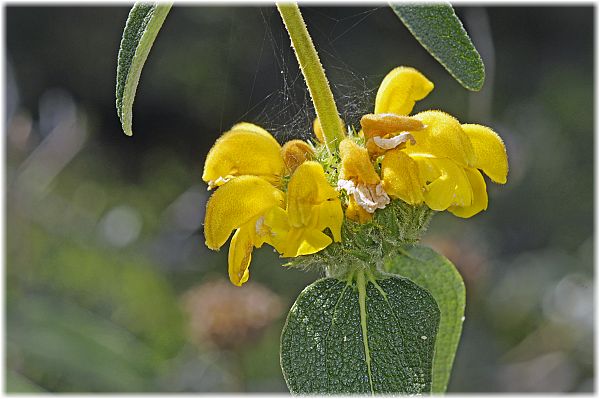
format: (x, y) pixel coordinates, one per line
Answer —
(356, 164)
(399, 91)
(374, 125)
(246, 149)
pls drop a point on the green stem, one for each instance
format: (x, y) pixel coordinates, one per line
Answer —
(314, 75)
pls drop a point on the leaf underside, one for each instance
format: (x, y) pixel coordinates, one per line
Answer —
(142, 27)
(436, 274)
(441, 33)
(338, 340)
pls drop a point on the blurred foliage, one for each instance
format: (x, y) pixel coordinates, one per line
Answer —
(104, 234)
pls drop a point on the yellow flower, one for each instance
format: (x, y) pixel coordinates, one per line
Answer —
(312, 207)
(240, 205)
(441, 164)
(247, 165)
(359, 179)
(246, 149)
(390, 127)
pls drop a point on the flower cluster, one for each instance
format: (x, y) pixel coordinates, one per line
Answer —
(281, 196)
(250, 167)
(428, 157)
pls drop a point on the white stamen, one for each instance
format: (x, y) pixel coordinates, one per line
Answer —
(370, 197)
(393, 142)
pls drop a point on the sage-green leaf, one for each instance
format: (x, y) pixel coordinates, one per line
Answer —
(435, 273)
(143, 23)
(363, 336)
(441, 33)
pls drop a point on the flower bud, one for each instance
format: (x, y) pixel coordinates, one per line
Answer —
(319, 130)
(295, 153)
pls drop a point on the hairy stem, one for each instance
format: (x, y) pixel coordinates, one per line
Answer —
(314, 75)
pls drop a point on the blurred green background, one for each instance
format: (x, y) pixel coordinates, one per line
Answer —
(109, 287)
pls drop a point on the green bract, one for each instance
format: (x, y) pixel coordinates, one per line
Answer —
(370, 243)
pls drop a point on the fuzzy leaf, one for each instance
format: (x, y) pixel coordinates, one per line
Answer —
(364, 336)
(143, 23)
(441, 33)
(435, 273)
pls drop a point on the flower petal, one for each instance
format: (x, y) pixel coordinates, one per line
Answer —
(240, 255)
(356, 164)
(311, 241)
(377, 145)
(277, 221)
(443, 137)
(399, 91)
(331, 216)
(235, 203)
(251, 127)
(356, 212)
(400, 174)
(245, 150)
(490, 151)
(450, 187)
(371, 196)
(307, 187)
(480, 197)
(312, 206)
